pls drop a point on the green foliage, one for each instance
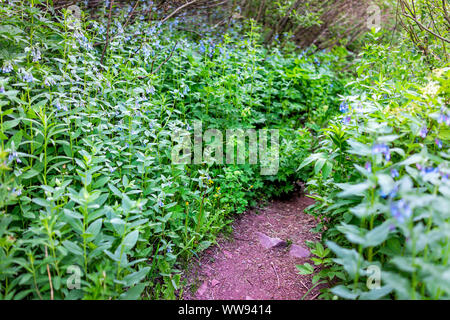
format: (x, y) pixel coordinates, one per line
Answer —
(87, 184)
(386, 202)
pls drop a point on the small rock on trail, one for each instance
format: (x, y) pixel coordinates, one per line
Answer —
(299, 251)
(257, 263)
(268, 242)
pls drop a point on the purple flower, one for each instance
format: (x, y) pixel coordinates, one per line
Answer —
(382, 149)
(391, 194)
(368, 166)
(423, 132)
(7, 67)
(14, 156)
(202, 47)
(429, 170)
(150, 90)
(442, 118)
(343, 107)
(27, 77)
(36, 54)
(186, 90)
(400, 210)
(2, 89)
(160, 203)
(346, 120)
(438, 143)
(49, 82)
(394, 173)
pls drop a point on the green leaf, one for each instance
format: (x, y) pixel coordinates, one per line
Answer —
(135, 277)
(305, 269)
(94, 228)
(344, 292)
(130, 240)
(133, 293)
(73, 247)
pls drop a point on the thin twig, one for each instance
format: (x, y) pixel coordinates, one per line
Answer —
(178, 9)
(130, 15)
(167, 59)
(276, 273)
(49, 275)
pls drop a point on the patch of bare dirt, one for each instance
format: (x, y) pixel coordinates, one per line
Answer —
(245, 268)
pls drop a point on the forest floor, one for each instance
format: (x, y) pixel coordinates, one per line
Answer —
(258, 260)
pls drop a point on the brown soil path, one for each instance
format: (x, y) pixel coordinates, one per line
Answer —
(242, 268)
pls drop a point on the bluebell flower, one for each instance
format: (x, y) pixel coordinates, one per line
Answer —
(160, 203)
(83, 41)
(202, 48)
(14, 156)
(400, 210)
(343, 107)
(2, 89)
(391, 194)
(438, 143)
(442, 118)
(49, 82)
(379, 148)
(383, 149)
(36, 54)
(186, 90)
(346, 120)
(27, 77)
(146, 51)
(101, 29)
(7, 67)
(368, 166)
(428, 170)
(423, 132)
(150, 90)
(394, 173)
(212, 50)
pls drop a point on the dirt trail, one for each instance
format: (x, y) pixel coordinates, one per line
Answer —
(259, 261)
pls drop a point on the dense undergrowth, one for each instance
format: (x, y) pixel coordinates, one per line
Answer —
(88, 190)
(381, 181)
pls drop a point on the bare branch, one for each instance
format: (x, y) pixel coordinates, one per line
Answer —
(178, 9)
